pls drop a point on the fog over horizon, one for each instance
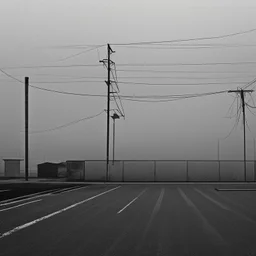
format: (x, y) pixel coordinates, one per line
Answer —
(46, 33)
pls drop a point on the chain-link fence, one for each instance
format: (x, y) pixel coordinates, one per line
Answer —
(169, 170)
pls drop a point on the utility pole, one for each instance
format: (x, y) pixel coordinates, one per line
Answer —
(114, 117)
(254, 148)
(26, 126)
(242, 95)
(108, 62)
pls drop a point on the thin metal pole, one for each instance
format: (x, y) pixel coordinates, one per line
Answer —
(155, 170)
(254, 147)
(242, 97)
(219, 159)
(123, 171)
(187, 169)
(218, 149)
(108, 108)
(114, 126)
(26, 127)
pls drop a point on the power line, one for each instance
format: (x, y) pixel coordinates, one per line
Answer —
(67, 93)
(75, 45)
(82, 52)
(189, 46)
(12, 77)
(186, 64)
(249, 84)
(67, 82)
(54, 66)
(191, 39)
(179, 71)
(250, 105)
(239, 110)
(177, 84)
(67, 124)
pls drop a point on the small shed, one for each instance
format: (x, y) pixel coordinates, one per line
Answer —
(47, 170)
(12, 167)
(62, 170)
(76, 169)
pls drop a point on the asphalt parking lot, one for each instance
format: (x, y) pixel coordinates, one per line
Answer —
(132, 219)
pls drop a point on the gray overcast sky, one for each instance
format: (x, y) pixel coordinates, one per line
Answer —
(33, 33)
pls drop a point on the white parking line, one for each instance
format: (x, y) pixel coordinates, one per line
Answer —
(16, 206)
(241, 215)
(152, 216)
(69, 190)
(212, 200)
(1, 191)
(53, 214)
(217, 238)
(29, 195)
(132, 201)
(24, 200)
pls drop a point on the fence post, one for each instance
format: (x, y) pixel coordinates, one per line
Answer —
(254, 171)
(187, 169)
(219, 172)
(154, 170)
(123, 170)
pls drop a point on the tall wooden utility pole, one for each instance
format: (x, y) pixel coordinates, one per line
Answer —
(242, 95)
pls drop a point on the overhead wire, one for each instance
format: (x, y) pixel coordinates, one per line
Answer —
(66, 125)
(182, 71)
(51, 66)
(82, 52)
(230, 110)
(12, 77)
(190, 39)
(177, 84)
(186, 64)
(236, 122)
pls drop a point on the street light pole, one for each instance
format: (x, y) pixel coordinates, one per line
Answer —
(114, 125)
(114, 117)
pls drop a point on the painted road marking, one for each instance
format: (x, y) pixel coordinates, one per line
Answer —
(156, 209)
(222, 206)
(132, 201)
(72, 189)
(26, 196)
(206, 225)
(53, 214)
(1, 191)
(16, 206)
(225, 207)
(24, 200)
(154, 212)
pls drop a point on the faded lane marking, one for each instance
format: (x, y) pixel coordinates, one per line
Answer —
(217, 238)
(53, 214)
(153, 214)
(222, 206)
(16, 206)
(132, 201)
(1, 191)
(226, 208)
(27, 197)
(66, 190)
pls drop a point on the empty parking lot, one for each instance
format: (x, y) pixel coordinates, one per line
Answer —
(132, 219)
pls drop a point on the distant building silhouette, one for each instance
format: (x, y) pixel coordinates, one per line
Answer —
(51, 170)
